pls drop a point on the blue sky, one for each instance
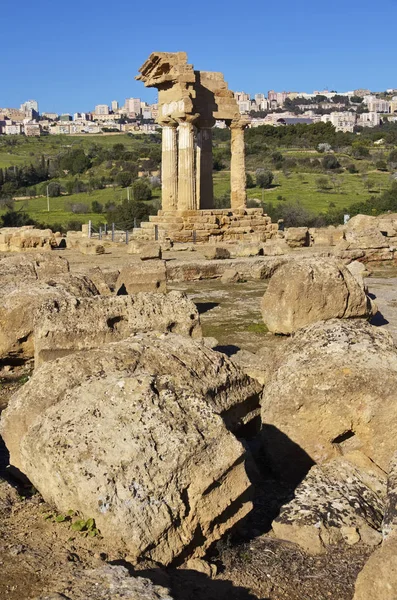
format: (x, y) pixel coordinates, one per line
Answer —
(72, 55)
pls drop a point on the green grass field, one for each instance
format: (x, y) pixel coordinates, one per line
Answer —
(28, 150)
(347, 189)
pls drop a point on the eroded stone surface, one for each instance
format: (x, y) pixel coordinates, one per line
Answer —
(306, 290)
(334, 390)
(336, 501)
(136, 436)
(66, 325)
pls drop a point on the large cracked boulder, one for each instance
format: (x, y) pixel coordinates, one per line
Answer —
(70, 324)
(31, 267)
(341, 500)
(334, 389)
(306, 290)
(20, 303)
(137, 434)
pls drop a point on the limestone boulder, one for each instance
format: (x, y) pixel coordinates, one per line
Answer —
(18, 239)
(231, 276)
(306, 290)
(216, 253)
(389, 526)
(69, 324)
(21, 302)
(339, 501)
(108, 582)
(332, 390)
(137, 434)
(363, 239)
(297, 237)
(91, 247)
(359, 271)
(247, 250)
(149, 276)
(361, 223)
(145, 250)
(378, 578)
(32, 266)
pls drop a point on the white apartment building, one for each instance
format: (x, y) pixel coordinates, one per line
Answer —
(115, 105)
(30, 105)
(51, 116)
(342, 121)
(242, 97)
(370, 119)
(101, 109)
(132, 106)
(244, 106)
(13, 128)
(380, 106)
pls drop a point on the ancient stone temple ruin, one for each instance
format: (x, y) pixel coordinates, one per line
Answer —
(189, 104)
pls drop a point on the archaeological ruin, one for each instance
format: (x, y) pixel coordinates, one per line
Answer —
(190, 102)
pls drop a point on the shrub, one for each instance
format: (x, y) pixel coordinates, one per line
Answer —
(96, 207)
(264, 179)
(330, 162)
(54, 189)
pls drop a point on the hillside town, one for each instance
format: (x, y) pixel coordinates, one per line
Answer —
(347, 111)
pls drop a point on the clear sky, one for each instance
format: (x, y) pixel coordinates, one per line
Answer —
(72, 55)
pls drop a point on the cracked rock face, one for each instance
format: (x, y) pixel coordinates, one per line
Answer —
(137, 435)
(334, 391)
(110, 583)
(305, 290)
(339, 500)
(69, 324)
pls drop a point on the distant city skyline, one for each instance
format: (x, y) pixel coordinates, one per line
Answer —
(71, 64)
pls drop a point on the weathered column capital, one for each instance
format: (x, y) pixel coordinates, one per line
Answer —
(240, 123)
(187, 119)
(167, 122)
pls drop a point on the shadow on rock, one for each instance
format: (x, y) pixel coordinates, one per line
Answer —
(378, 320)
(204, 307)
(187, 584)
(229, 350)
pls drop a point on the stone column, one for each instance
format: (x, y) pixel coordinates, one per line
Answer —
(169, 167)
(186, 166)
(237, 165)
(204, 166)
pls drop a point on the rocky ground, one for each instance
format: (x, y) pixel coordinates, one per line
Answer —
(40, 555)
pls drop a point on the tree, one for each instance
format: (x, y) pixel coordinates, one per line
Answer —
(15, 218)
(381, 165)
(123, 179)
(264, 179)
(359, 150)
(54, 189)
(249, 181)
(75, 161)
(142, 190)
(125, 214)
(393, 157)
(330, 162)
(324, 147)
(96, 207)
